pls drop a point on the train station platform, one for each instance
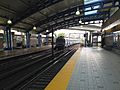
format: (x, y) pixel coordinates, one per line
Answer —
(90, 68)
(12, 53)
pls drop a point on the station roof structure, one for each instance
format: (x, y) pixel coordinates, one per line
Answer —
(53, 14)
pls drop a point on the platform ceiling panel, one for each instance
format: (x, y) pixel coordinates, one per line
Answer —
(4, 13)
(21, 25)
(15, 6)
(37, 16)
(43, 14)
(48, 11)
(29, 20)
(36, 7)
(66, 4)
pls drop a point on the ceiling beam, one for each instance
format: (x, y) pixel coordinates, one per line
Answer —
(23, 1)
(43, 14)
(33, 18)
(7, 9)
(90, 17)
(71, 11)
(98, 16)
(26, 23)
(24, 29)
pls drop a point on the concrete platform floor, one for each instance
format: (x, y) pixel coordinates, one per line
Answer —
(97, 69)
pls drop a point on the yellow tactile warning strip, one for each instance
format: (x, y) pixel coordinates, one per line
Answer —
(61, 80)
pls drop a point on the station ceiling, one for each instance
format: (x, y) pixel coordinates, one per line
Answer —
(51, 14)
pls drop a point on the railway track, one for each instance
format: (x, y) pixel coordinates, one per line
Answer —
(24, 76)
(8, 65)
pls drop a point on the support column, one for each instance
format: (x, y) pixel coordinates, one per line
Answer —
(103, 40)
(52, 43)
(67, 42)
(97, 40)
(69, 39)
(86, 38)
(47, 39)
(27, 40)
(90, 38)
(12, 39)
(8, 36)
(90, 41)
(39, 40)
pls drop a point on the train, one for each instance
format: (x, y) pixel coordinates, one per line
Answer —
(60, 43)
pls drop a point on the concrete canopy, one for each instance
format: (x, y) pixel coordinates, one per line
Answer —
(47, 14)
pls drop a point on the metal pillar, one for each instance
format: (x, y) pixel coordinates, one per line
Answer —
(90, 41)
(85, 42)
(39, 40)
(47, 39)
(12, 39)
(52, 44)
(27, 40)
(86, 38)
(103, 40)
(8, 38)
(67, 42)
(69, 39)
(90, 38)
(97, 40)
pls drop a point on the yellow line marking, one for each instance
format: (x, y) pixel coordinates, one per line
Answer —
(61, 80)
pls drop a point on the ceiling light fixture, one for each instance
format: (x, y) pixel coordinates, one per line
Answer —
(9, 21)
(47, 31)
(80, 21)
(77, 12)
(34, 28)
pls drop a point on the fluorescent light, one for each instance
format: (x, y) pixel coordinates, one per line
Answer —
(9, 21)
